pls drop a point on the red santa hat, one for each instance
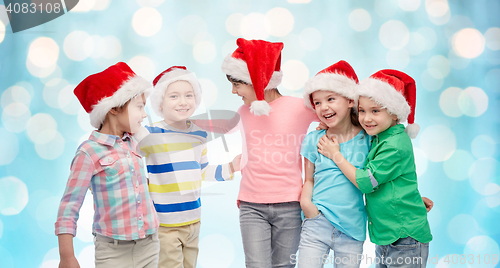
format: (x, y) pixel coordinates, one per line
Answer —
(394, 91)
(339, 78)
(257, 63)
(113, 87)
(169, 76)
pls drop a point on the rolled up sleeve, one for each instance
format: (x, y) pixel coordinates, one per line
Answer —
(384, 167)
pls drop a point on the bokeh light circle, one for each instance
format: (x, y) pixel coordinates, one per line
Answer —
(43, 52)
(448, 102)
(233, 23)
(468, 43)
(386, 8)
(295, 75)
(15, 117)
(45, 217)
(394, 34)
(438, 142)
(113, 47)
(255, 26)
(462, 228)
(2, 31)
(409, 5)
(209, 92)
(67, 100)
(281, 21)
(86, 219)
(204, 52)
(492, 36)
(440, 64)
(51, 149)
(147, 21)
(420, 161)
(398, 59)
(84, 6)
(86, 258)
(78, 45)
(483, 146)
(473, 101)
(457, 62)
(416, 44)
(189, 27)
(430, 37)
(310, 39)
(42, 128)
(143, 66)
(485, 248)
(52, 90)
(458, 165)
(13, 196)
(437, 8)
(430, 81)
(14, 94)
(482, 172)
(360, 20)
(9, 147)
(216, 251)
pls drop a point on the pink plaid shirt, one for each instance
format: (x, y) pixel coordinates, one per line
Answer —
(115, 173)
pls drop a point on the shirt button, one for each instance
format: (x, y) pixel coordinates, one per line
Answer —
(132, 170)
(128, 156)
(140, 217)
(139, 201)
(370, 222)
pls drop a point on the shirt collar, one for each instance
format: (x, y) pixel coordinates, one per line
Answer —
(391, 131)
(107, 139)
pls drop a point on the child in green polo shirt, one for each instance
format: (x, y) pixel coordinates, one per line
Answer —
(397, 216)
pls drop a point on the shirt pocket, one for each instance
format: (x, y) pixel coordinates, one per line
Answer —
(139, 159)
(111, 166)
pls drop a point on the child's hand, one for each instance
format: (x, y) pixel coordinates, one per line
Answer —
(428, 203)
(321, 126)
(236, 163)
(309, 209)
(328, 147)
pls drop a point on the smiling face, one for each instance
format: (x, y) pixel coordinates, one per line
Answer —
(373, 118)
(331, 108)
(245, 91)
(178, 104)
(130, 116)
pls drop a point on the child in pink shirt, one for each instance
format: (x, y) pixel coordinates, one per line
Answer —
(273, 129)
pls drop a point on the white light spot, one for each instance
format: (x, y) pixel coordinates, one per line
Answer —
(482, 172)
(216, 251)
(492, 36)
(416, 44)
(386, 8)
(473, 101)
(436, 8)
(360, 20)
(51, 149)
(43, 52)
(420, 161)
(38, 71)
(113, 47)
(101, 5)
(45, 217)
(409, 5)
(394, 34)
(2, 31)
(483, 246)
(468, 43)
(462, 228)
(310, 39)
(255, 26)
(456, 24)
(9, 146)
(42, 128)
(492, 193)
(456, 61)
(430, 37)
(84, 231)
(280, 20)
(209, 92)
(295, 75)
(84, 121)
(294, 46)
(448, 102)
(441, 20)
(147, 21)
(51, 91)
(483, 146)
(458, 165)
(204, 52)
(150, 3)
(15, 117)
(233, 23)
(440, 64)
(78, 45)
(13, 196)
(50, 264)
(228, 48)
(4, 18)
(15, 93)
(398, 59)
(86, 258)
(189, 27)
(56, 73)
(429, 80)
(84, 6)
(67, 100)
(438, 142)
(143, 66)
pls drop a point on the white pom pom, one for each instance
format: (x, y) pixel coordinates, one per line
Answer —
(412, 130)
(260, 108)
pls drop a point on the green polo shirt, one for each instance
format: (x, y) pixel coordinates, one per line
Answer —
(389, 180)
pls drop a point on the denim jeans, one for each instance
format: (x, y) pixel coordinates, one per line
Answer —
(270, 233)
(318, 236)
(405, 252)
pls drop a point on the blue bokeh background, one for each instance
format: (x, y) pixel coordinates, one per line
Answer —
(451, 49)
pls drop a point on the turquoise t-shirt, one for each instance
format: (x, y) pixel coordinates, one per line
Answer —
(333, 194)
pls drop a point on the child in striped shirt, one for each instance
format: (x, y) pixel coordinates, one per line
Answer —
(125, 222)
(176, 157)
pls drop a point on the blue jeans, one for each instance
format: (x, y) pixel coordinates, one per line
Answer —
(318, 236)
(405, 252)
(270, 233)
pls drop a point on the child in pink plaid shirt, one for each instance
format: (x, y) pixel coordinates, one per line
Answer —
(125, 221)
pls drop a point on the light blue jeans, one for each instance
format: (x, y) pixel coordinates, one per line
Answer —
(318, 236)
(405, 252)
(270, 233)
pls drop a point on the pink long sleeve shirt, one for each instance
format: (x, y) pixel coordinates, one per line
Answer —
(273, 170)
